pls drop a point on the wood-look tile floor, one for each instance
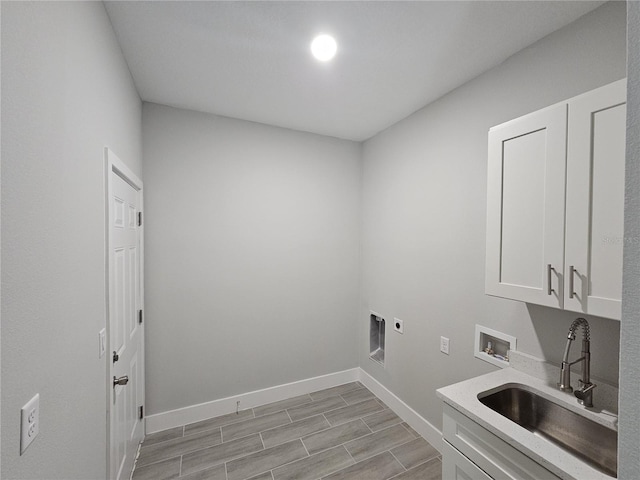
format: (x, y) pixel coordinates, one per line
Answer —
(340, 433)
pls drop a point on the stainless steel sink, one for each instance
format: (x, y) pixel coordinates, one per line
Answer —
(592, 442)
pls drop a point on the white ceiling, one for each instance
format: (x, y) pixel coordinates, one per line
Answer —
(251, 60)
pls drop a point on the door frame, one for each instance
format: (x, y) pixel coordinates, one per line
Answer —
(113, 165)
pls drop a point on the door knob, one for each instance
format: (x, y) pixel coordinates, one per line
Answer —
(120, 381)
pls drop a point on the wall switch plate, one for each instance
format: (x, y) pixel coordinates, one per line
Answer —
(444, 345)
(398, 325)
(102, 342)
(29, 422)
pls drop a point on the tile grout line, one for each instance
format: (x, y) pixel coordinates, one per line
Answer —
(412, 468)
(287, 412)
(388, 450)
(282, 409)
(205, 430)
(142, 445)
(336, 408)
(418, 464)
(278, 466)
(373, 455)
(410, 432)
(305, 447)
(401, 464)
(343, 444)
(247, 435)
(326, 411)
(337, 394)
(177, 443)
(365, 424)
(294, 438)
(404, 443)
(288, 463)
(317, 453)
(160, 460)
(354, 460)
(356, 418)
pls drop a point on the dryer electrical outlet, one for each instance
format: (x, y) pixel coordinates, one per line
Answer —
(29, 422)
(398, 325)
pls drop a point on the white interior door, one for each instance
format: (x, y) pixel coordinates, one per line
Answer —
(126, 333)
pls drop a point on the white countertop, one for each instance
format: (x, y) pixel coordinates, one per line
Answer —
(463, 396)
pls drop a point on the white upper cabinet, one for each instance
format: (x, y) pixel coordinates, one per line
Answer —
(595, 201)
(555, 204)
(525, 205)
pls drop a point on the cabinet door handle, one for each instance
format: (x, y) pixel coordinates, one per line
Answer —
(549, 289)
(572, 271)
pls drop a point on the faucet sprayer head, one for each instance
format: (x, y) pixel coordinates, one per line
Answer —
(585, 329)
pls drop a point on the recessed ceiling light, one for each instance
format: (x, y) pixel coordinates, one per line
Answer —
(324, 47)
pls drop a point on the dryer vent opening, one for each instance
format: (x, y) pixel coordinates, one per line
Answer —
(376, 338)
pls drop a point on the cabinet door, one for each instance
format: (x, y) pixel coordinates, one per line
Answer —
(455, 466)
(595, 201)
(525, 208)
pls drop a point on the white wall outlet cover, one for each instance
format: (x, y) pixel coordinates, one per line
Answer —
(444, 345)
(102, 342)
(29, 422)
(398, 325)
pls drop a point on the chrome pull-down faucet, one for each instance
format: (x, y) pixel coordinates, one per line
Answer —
(585, 392)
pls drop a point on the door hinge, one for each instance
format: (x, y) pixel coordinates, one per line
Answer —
(139, 219)
(141, 412)
(140, 317)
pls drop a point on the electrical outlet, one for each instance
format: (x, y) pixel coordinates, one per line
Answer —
(444, 345)
(29, 422)
(398, 325)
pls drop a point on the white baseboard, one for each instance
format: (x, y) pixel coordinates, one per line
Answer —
(195, 413)
(416, 421)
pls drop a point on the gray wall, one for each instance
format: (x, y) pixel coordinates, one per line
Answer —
(252, 256)
(424, 214)
(66, 93)
(629, 433)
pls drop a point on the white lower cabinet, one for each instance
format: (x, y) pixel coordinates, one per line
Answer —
(472, 452)
(455, 466)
